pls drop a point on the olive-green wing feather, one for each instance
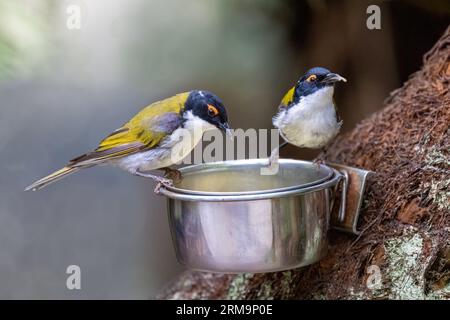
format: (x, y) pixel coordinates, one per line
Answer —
(144, 131)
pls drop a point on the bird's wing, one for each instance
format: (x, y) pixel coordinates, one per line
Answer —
(287, 99)
(144, 131)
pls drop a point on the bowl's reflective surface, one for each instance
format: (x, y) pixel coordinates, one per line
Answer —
(243, 176)
(250, 236)
(260, 235)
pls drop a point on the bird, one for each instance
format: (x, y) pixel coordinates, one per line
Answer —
(155, 138)
(307, 114)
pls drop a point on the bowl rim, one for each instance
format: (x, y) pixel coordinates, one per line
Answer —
(332, 179)
(205, 167)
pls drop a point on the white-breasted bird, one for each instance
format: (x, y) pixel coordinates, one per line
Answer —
(157, 137)
(307, 114)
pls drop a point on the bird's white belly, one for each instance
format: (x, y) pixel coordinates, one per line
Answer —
(145, 161)
(172, 149)
(308, 124)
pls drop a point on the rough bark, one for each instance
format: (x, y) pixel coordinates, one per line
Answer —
(406, 214)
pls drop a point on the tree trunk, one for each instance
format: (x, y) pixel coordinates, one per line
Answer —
(405, 219)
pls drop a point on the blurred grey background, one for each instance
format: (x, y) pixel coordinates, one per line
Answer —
(62, 90)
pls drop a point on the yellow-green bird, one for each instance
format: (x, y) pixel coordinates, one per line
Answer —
(159, 136)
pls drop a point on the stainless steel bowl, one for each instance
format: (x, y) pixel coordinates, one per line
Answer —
(227, 217)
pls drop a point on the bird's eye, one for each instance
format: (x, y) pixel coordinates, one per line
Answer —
(212, 111)
(311, 78)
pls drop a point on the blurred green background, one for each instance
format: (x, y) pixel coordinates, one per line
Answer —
(61, 90)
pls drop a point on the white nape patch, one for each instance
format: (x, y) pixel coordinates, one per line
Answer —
(201, 94)
(172, 148)
(312, 122)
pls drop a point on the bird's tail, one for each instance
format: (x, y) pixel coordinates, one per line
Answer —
(41, 183)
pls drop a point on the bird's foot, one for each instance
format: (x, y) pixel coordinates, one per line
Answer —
(272, 165)
(173, 174)
(273, 159)
(319, 162)
(161, 181)
(159, 185)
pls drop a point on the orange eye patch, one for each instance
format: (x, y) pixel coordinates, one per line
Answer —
(311, 78)
(212, 110)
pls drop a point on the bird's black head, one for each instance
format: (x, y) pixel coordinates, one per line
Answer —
(313, 80)
(209, 107)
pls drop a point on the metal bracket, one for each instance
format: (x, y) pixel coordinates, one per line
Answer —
(345, 211)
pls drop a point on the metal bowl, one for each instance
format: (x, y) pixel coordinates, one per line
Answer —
(227, 217)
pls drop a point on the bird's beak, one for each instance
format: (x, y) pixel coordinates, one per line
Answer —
(225, 127)
(333, 78)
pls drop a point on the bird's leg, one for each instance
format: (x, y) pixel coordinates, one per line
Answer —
(273, 166)
(320, 161)
(173, 174)
(160, 180)
(153, 177)
(274, 157)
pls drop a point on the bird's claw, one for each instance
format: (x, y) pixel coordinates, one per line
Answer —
(173, 174)
(162, 182)
(273, 159)
(319, 162)
(272, 166)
